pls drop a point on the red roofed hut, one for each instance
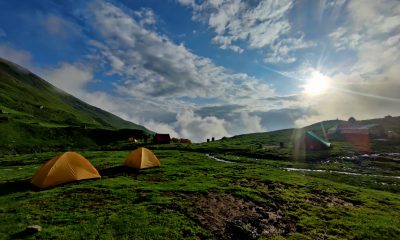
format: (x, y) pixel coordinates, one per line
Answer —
(161, 138)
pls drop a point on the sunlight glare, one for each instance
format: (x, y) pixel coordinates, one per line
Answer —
(317, 84)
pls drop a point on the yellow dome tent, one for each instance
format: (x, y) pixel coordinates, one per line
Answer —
(142, 158)
(64, 168)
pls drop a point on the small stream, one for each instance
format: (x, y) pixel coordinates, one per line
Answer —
(217, 159)
(313, 170)
(333, 171)
(373, 156)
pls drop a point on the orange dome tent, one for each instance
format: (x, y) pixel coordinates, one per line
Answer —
(64, 168)
(142, 158)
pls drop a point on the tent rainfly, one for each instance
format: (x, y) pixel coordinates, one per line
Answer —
(142, 158)
(64, 168)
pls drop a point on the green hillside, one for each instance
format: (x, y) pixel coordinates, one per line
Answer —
(286, 135)
(27, 97)
(268, 144)
(34, 113)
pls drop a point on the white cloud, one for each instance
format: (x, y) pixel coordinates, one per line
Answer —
(2, 33)
(53, 24)
(367, 21)
(160, 127)
(70, 77)
(20, 57)
(335, 3)
(245, 123)
(73, 78)
(282, 49)
(59, 26)
(258, 26)
(146, 16)
(341, 39)
(188, 2)
(367, 87)
(372, 31)
(363, 101)
(154, 66)
(197, 128)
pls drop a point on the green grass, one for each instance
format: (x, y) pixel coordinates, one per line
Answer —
(185, 198)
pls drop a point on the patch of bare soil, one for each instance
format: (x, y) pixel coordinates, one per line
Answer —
(230, 217)
(328, 201)
(317, 197)
(325, 199)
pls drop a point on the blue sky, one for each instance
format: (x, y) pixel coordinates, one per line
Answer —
(198, 69)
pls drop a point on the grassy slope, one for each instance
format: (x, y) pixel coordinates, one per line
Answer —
(22, 93)
(288, 135)
(192, 196)
(27, 127)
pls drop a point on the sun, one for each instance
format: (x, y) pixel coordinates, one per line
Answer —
(317, 84)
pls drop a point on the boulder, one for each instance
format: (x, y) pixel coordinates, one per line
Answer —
(33, 229)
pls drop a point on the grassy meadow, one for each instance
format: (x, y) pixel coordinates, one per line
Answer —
(192, 196)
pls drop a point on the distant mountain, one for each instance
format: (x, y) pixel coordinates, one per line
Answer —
(33, 112)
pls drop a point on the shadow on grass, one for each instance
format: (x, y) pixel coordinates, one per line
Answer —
(118, 171)
(7, 188)
(20, 235)
(16, 186)
(23, 234)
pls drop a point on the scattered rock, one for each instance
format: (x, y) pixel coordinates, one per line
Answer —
(33, 229)
(187, 233)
